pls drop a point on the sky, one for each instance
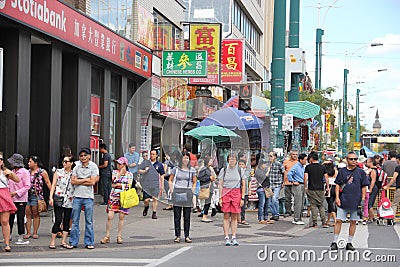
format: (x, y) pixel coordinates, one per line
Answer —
(349, 29)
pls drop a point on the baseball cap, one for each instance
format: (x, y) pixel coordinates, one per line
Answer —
(84, 150)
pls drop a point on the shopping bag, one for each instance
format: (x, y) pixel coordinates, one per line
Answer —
(129, 198)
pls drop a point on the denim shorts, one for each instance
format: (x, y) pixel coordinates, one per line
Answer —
(342, 214)
(32, 200)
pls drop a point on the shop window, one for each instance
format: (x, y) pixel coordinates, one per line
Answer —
(165, 34)
(96, 81)
(115, 87)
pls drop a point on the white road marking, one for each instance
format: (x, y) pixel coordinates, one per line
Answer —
(308, 246)
(168, 257)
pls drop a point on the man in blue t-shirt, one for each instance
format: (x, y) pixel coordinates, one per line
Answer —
(351, 187)
(152, 176)
(133, 160)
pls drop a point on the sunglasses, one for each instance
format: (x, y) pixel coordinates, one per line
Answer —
(352, 158)
(66, 161)
(1, 159)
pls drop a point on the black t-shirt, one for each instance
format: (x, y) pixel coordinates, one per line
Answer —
(316, 174)
(397, 169)
(107, 170)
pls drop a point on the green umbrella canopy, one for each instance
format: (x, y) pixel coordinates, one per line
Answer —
(216, 133)
(302, 109)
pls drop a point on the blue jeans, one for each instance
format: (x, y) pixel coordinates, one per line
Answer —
(274, 202)
(77, 205)
(262, 205)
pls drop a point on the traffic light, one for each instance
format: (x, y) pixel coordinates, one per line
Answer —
(244, 98)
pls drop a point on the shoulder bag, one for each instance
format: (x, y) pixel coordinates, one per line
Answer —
(128, 198)
(181, 196)
(42, 206)
(205, 191)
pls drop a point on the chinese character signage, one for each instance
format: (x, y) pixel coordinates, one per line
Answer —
(145, 27)
(64, 23)
(207, 37)
(184, 63)
(327, 121)
(173, 98)
(232, 61)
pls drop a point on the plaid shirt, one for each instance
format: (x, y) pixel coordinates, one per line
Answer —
(276, 174)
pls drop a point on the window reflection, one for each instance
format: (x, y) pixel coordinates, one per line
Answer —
(115, 14)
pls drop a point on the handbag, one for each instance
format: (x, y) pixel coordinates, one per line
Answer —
(181, 195)
(129, 198)
(58, 201)
(268, 192)
(204, 192)
(42, 207)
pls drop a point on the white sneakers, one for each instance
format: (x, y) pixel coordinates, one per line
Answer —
(298, 222)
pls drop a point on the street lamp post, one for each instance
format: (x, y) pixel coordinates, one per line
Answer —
(358, 116)
(345, 122)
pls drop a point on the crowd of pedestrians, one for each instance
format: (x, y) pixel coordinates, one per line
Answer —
(333, 192)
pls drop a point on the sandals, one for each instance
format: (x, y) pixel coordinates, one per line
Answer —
(27, 236)
(177, 240)
(119, 240)
(89, 246)
(69, 246)
(7, 248)
(106, 240)
(52, 247)
(244, 223)
(35, 237)
(64, 245)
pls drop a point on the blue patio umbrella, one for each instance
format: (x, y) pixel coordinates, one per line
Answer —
(232, 118)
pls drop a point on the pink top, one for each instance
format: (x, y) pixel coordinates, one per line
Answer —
(22, 187)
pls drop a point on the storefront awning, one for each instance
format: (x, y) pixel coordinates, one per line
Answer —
(302, 109)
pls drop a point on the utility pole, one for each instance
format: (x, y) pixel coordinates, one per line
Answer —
(278, 68)
(345, 124)
(358, 116)
(318, 58)
(294, 30)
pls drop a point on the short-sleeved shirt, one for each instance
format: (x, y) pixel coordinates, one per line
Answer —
(398, 178)
(151, 179)
(82, 172)
(316, 174)
(133, 158)
(231, 177)
(276, 174)
(184, 178)
(107, 170)
(351, 194)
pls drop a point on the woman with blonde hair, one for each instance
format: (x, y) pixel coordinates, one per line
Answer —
(7, 205)
(121, 180)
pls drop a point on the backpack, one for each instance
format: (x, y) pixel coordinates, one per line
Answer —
(381, 178)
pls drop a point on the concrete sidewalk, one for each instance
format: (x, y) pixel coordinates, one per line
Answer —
(142, 231)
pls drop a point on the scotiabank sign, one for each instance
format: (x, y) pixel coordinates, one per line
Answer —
(62, 22)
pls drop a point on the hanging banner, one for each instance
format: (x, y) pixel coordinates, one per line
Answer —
(232, 61)
(68, 25)
(207, 37)
(327, 121)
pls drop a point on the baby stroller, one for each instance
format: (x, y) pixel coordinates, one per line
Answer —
(385, 211)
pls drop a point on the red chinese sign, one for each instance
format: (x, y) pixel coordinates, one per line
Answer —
(64, 23)
(232, 61)
(207, 37)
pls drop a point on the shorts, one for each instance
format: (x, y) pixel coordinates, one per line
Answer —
(231, 200)
(342, 214)
(151, 192)
(32, 200)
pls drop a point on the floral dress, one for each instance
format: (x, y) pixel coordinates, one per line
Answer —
(114, 201)
(64, 188)
(36, 189)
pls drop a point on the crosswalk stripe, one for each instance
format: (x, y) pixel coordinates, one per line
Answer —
(78, 260)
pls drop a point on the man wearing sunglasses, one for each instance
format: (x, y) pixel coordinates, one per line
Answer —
(351, 187)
